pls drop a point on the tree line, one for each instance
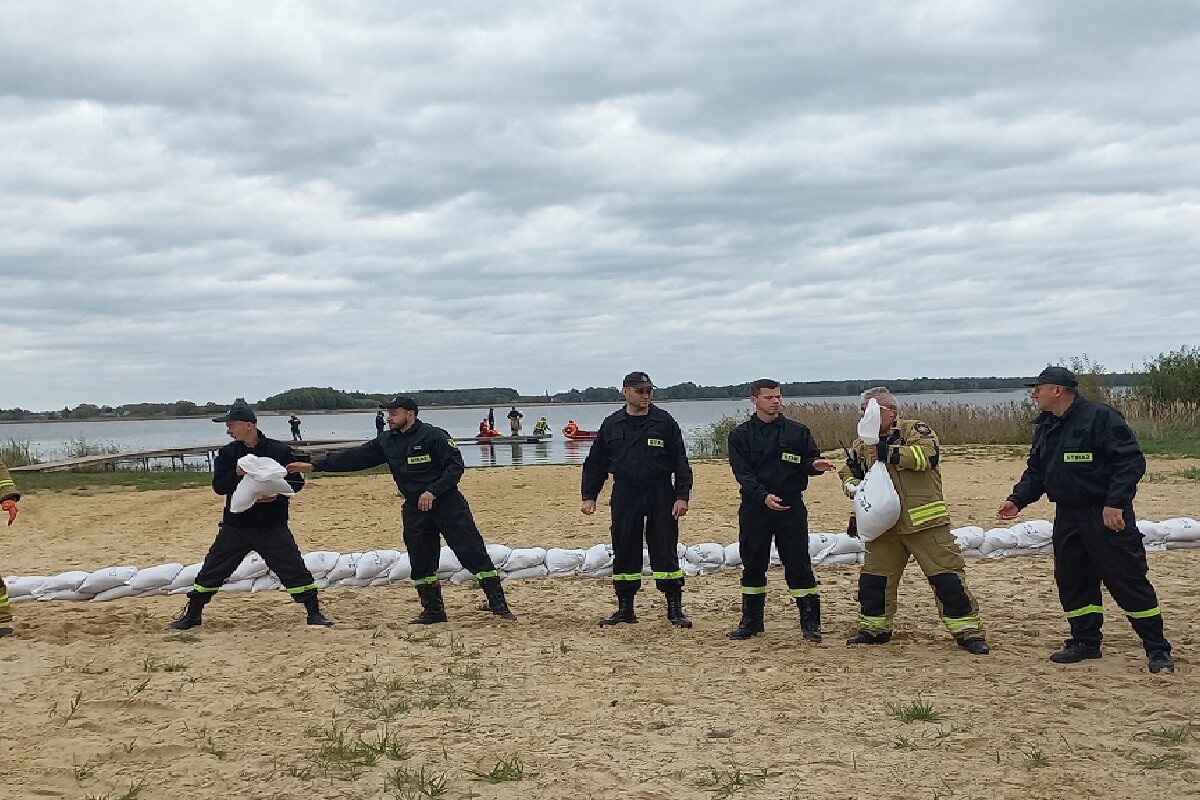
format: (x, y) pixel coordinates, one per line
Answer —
(1170, 377)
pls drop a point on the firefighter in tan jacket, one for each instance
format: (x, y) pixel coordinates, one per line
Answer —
(8, 504)
(910, 450)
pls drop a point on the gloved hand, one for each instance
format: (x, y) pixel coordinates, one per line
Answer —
(852, 527)
(11, 507)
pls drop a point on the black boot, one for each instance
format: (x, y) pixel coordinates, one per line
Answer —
(190, 617)
(1074, 651)
(866, 637)
(5, 631)
(624, 612)
(313, 606)
(433, 610)
(675, 610)
(751, 624)
(1159, 660)
(975, 645)
(494, 593)
(810, 616)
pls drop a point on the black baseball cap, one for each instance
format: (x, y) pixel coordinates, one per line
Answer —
(1057, 376)
(400, 401)
(637, 380)
(240, 411)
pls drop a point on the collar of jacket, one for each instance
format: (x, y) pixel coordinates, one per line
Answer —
(1046, 418)
(416, 426)
(653, 413)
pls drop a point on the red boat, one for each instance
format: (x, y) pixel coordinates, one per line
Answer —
(573, 432)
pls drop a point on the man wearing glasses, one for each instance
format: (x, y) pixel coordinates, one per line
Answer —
(642, 447)
(911, 452)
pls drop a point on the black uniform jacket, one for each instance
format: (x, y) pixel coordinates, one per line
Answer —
(638, 450)
(422, 459)
(772, 458)
(225, 480)
(1087, 457)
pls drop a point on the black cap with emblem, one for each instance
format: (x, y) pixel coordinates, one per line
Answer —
(637, 380)
(1057, 376)
(400, 401)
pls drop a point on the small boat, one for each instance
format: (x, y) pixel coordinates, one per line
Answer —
(579, 435)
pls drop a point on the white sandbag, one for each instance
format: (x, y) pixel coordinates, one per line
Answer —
(1156, 547)
(1181, 529)
(525, 557)
(1033, 533)
(843, 558)
(401, 569)
(244, 585)
(597, 561)
(1182, 544)
(819, 545)
(448, 563)
(775, 558)
(20, 588)
(876, 504)
(104, 579)
(63, 594)
(69, 581)
(155, 591)
(845, 544)
(346, 567)
(1152, 532)
(680, 550)
(536, 571)
(186, 578)
(733, 555)
(264, 477)
(115, 593)
(498, 553)
(690, 570)
(868, 423)
(464, 575)
(708, 556)
(998, 539)
(382, 580)
(971, 552)
(969, 537)
(563, 562)
(155, 577)
(252, 567)
(375, 563)
(320, 562)
(265, 583)
(322, 583)
(352, 582)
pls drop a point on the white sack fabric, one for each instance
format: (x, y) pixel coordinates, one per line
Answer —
(264, 477)
(876, 504)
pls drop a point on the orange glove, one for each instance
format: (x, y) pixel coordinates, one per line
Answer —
(11, 507)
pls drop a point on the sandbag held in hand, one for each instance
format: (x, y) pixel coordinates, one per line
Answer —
(876, 504)
(264, 477)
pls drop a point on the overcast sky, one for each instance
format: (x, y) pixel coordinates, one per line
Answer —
(208, 200)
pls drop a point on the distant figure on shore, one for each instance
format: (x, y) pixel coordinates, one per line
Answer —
(294, 424)
(514, 421)
(541, 427)
(486, 429)
(380, 423)
(8, 502)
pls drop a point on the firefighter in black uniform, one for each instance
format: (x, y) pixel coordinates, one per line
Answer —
(1087, 461)
(642, 446)
(772, 458)
(262, 528)
(426, 465)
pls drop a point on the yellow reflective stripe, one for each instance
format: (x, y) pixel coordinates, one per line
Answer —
(754, 590)
(666, 576)
(1079, 612)
(1149, 612)
(922, 463)
(8, 482)
(204, 589)
(299, 589)
(491, 573)
(420, 581)
(875, 624)
(627, 576)
(960, 624)
(803, 592)
(927, 512)
(4, 600)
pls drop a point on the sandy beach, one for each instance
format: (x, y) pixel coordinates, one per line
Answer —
(98, 697)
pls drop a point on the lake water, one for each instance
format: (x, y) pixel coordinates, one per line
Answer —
(48, 439)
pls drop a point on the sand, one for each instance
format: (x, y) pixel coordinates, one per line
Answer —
(98, 697)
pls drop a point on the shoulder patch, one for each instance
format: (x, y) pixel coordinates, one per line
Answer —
(923, 429)
(452, 443)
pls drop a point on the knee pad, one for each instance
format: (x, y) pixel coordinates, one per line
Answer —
(949, 590)
(872, 590)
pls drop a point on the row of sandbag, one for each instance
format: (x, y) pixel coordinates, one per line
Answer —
(381, 567)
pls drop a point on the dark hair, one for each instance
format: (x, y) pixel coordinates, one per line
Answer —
(762, 383)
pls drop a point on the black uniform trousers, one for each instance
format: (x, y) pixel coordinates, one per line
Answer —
(451, 518)
(274, 543)
(1086, 554)
(757, 526)
(644, 510)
